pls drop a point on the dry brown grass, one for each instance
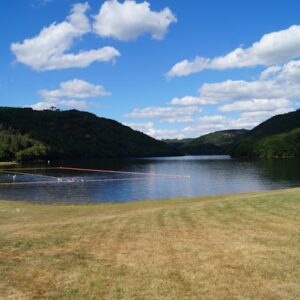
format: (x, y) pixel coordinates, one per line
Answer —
(244, 246)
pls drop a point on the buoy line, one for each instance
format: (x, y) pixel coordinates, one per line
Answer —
(70, 181)
(125, 172)
(164, 175)
(27, 174)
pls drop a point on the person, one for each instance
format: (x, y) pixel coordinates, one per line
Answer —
(14, 178)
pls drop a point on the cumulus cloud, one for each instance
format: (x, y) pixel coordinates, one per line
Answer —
(69, 95)
(47, 50)
(240, 89)
(191, 100)
(290, 72)
(128, 20)
(149, 129)
(214, 123)
(283, 83)
(273, 48)
(256, 105)
(275, 82)
(214, 119)
(162, 112)
(264, 114)
(274, 92)
(43, 105)
(209, 123)
(75, 88)
(269, 72)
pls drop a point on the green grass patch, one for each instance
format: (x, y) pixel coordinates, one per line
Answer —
(8, 163)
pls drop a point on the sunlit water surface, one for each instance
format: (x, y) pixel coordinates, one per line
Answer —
(207, 175)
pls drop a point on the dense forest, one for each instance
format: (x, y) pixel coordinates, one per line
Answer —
(276, 137)
(26, 134)
(214, 143)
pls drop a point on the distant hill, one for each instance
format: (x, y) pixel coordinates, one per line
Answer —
(213, 143)
(26, 134)
(177, 143)
(279, 136)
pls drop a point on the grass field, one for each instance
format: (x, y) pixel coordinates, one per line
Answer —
(7, 163)
(244, 246)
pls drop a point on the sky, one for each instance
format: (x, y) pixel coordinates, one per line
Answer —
(169, 68)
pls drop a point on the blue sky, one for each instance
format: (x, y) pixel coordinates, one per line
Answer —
(168, 68)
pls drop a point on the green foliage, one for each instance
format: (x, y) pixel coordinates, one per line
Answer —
(277, 124)
(26, 134)
(280, 145)
(13, 144)
(214, 143)
(277, 137)
(37, 151)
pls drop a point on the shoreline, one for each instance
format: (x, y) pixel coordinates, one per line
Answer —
(175, 200)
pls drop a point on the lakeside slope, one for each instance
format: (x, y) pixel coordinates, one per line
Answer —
(215, 247)
(31, 135)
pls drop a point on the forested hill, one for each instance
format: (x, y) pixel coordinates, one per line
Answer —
(26, 134)
(213, 143)
(279, 136)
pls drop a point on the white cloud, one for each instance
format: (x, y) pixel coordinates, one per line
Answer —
(77, 104)
(209, 123)
(68, 93)
(185, 67)
(163, 112)
(181, 119)
(149, 129)
(191, 100)
(271, 71)
(214, 123)
(256, 105)
(275, 82)
(273, 48)
(47, 50)
(214, 119)
(75, 88)
(291, 72)
(143, 127)
(283, 84)
(42, 105)
(239, 89)
(201, 129)
(264, 114)
(128, 20)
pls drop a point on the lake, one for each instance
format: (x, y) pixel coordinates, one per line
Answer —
(152, 178)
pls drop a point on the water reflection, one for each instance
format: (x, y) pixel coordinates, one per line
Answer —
(209, 175)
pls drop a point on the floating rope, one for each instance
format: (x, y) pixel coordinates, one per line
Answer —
(70, 181)
(125, 172)
(81, 180)
(27, 174)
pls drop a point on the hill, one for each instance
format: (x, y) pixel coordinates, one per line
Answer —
(279, 136)
(210, 144)
(177, 143)
(26, 134)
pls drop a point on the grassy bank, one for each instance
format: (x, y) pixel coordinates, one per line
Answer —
(7, 163)
(244, 246)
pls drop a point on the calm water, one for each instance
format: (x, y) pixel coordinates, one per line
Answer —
(208, 175)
